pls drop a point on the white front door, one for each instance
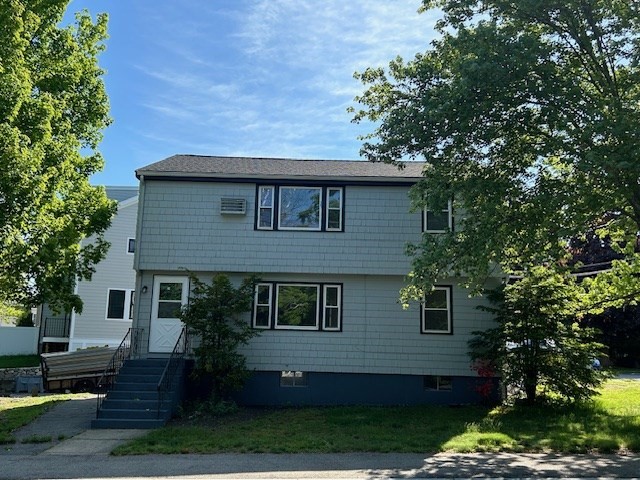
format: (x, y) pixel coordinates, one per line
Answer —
(169, 295)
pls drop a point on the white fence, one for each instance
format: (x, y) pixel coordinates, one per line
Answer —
(18, 340)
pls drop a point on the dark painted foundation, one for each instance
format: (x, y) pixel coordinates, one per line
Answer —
(264, 389)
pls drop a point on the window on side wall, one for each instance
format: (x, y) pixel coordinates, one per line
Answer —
(438, 221)
(290, 378)
(131, 245)
(298, 306)
(436, 311)
(302, 208)
(120, 304)
(437, 383)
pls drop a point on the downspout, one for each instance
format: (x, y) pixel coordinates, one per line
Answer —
(136, 264)
(72, 325)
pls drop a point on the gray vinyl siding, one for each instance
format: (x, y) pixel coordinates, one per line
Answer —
(115, 271)
(377, 335)
(181, 227)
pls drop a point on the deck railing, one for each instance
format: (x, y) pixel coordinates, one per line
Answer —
(173, 367)
(56, 327)
(128, 347)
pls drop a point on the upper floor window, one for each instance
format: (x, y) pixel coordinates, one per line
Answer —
(438, 221)
(436, 311)
(131, 245)
(307, 208)
(298, 306)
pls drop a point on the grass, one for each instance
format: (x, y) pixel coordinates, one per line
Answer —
(15, 361)
(611, 423)
(18, 411)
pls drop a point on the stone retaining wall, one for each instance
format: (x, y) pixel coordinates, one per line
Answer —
(8, 377)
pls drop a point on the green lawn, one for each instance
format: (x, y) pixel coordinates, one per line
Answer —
(18, 411)
(609, 424)
(13, 361)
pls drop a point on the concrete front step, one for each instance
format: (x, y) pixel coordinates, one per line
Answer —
(129, 414)
(134, 386)
(126, 377)
(131, 370)
(121, 423)
(133, 395)
(146, 362)
(132, 404)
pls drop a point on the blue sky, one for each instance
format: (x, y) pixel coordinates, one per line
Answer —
(267, 78)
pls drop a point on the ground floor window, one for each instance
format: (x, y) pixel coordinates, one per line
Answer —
(436, 311)
(437, 382)
(298, 306)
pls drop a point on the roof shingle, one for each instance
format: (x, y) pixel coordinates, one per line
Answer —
(248, 167)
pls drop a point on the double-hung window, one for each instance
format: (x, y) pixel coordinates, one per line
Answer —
(120, 304)
(298, 306)
(305, 208)
(436, 311)
(438, 221)
(266, 205)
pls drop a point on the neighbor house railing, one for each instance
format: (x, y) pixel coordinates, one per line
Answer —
(127, 348)
(57, 327)
(173, 367)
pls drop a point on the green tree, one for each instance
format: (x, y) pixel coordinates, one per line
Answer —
(537, 344)
(528, 116)
(53, 107)
(215, 316)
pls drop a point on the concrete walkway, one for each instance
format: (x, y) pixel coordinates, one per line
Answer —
(76, 452)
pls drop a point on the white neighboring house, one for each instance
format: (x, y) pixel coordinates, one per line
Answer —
(108, 297)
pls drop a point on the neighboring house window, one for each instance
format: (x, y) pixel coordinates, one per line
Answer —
(131, 245)
(290, 378)
(265, 207)
(306, 208)
(120, 304)
(436, 311)
(438, 221)
(298, 306)
(436, 382)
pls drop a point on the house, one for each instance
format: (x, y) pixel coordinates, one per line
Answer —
(327, 238)
(108, 297)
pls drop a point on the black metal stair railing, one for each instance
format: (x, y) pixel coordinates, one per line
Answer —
(172, 369)
(127, 348)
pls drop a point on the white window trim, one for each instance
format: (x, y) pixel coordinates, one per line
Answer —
(449, 211)
(294, 327)
(321, 306)
(256, 305)
(270, 207)
(340, 209)
(320, 209)
(127, 305)
(128, 243)
(336, 307)
(424, 309)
